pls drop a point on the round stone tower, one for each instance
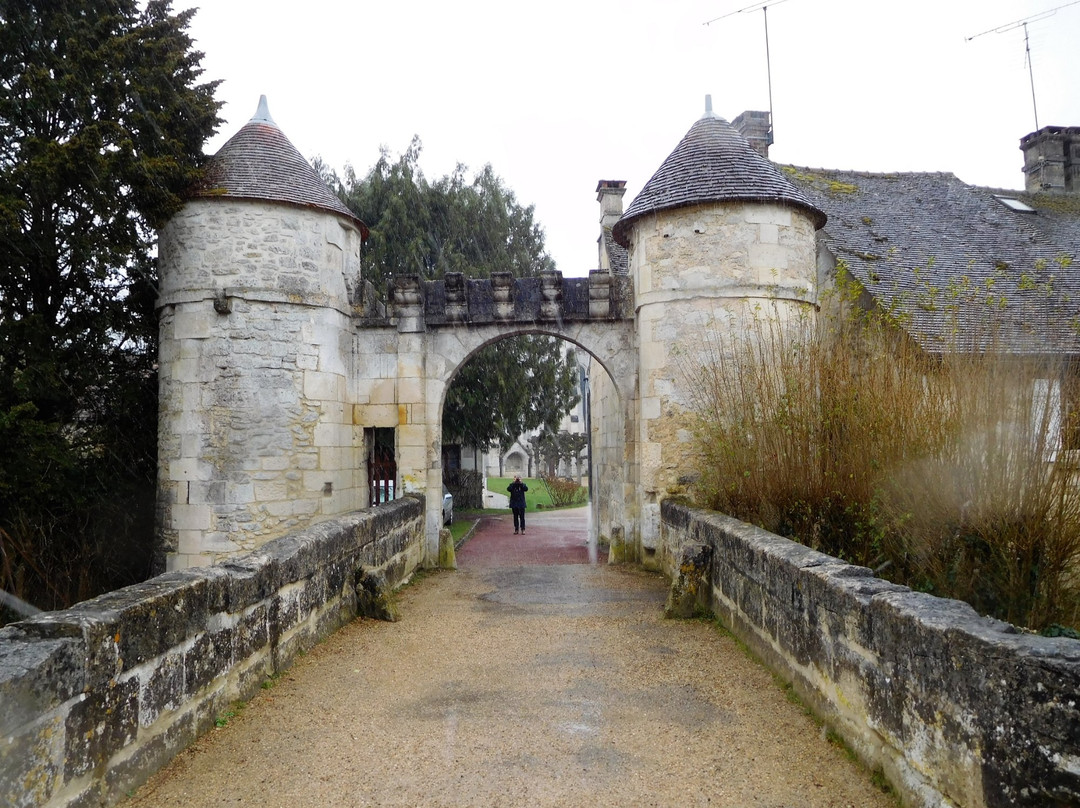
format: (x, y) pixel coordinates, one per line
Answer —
(256, 276)
(716, 235)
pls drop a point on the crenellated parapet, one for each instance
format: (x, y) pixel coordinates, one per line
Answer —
(415, 304)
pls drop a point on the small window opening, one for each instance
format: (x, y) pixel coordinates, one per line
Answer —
(1014, 204)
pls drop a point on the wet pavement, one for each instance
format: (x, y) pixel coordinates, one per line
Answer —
(516, 681)
(550, 537)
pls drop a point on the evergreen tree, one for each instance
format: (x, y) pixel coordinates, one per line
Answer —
(475, 227)
(509, 388)
(102, 122)
(430, 228)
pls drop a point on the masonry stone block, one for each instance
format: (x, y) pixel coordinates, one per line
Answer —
(99, 724)
(410, 389)
(768, 214)
(771, 262)
(957, 708)
(193, 369)
(189, 468)
(191, 543)
(323, 386)
(129, 772)
(331, 436)
(652, 355)
(32, 762)
(190, 517)
(209, 656)
(383, 392)
(412, 435)
(161, 687)
(307, 506)
(37, 676)
(194, 323)
(376, 415)
(651, 408)
(381, 364)
(689, 593)
(270, 490)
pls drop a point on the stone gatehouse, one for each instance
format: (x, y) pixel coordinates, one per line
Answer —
(277, 364)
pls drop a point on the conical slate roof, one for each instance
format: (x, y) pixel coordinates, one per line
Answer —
(259, 162)
(713, 163)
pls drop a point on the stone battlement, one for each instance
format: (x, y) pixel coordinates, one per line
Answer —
(415, 304)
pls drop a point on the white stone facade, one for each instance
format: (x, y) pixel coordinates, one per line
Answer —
(272, 371)
(268, 381)
(255, 435)
(700, 271)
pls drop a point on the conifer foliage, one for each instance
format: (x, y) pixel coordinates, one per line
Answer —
(102, 122)
(474, 226)
(428, 228)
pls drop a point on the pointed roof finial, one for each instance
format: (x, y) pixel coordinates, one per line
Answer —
(713, 163)
(262, 114)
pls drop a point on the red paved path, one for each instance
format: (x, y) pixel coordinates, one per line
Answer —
(550, 537)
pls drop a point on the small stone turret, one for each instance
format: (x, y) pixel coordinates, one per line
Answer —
(257, 272)
(716, 233)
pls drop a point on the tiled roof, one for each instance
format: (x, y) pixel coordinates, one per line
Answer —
(259, 162)
(964, 269)
(713, 163)
(618, 259)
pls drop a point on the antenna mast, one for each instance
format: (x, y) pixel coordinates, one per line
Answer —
(1023, 23)
(764, 6)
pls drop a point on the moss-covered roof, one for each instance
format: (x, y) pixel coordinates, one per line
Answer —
(962, 267)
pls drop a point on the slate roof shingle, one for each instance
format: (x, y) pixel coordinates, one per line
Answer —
(965, 270)
(713, 163)
(618, 258)
(259, 162)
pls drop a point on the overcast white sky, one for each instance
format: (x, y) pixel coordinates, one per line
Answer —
(556, 95)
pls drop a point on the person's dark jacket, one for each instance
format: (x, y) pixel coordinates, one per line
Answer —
(517, 491)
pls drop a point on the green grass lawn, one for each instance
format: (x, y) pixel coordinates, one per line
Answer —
(462, 523)
(536, 498)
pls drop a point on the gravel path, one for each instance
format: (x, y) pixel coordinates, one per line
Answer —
(522, 685)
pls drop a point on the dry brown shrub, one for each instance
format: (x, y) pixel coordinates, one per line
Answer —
(839, 432)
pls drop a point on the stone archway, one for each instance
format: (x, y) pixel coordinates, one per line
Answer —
(437, 355)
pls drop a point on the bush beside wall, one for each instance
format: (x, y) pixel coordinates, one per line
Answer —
(955, 709)
(96, 698)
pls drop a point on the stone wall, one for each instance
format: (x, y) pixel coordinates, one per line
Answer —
(956, 709)
(100, 696)
(255, 433)
(612, 495)
(701, 272)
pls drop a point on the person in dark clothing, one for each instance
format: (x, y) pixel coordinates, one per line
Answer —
(517, 491)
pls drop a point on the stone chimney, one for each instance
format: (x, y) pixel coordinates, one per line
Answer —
(609, 194)
(756, 127)
(1052, 160)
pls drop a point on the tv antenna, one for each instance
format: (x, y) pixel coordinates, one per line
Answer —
(1023, 23)
(764, 6)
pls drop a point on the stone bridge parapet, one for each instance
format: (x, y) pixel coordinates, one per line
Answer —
(97, 697)
(414, 304)
(956, 709)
